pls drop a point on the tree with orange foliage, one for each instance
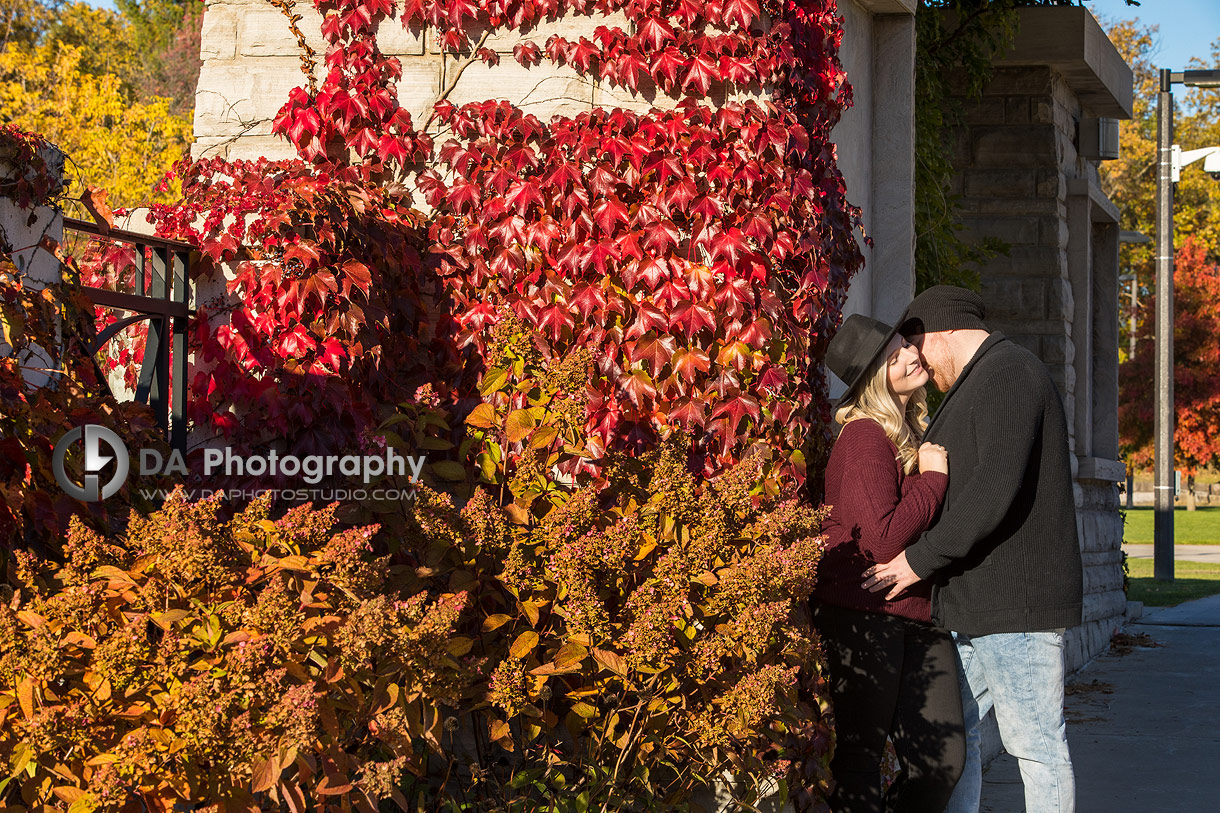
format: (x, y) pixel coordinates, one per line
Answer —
(1196, 382)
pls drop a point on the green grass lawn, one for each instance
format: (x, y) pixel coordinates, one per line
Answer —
(1191, 580)
(1198, 527)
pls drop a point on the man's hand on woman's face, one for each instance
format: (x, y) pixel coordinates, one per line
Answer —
(895, 575)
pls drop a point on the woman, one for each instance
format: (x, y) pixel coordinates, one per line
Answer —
(892, 672)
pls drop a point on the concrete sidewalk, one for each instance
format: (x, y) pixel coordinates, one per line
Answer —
(1144, 727)
(1181, 553)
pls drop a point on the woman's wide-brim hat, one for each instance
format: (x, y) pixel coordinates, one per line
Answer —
(852, 351)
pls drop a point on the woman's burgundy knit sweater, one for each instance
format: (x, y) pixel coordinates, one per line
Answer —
(876, 511)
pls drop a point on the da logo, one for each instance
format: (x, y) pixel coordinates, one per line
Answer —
(92, 489)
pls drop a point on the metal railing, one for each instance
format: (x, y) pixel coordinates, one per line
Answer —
(162, 267)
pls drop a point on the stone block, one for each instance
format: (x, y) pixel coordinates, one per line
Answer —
(218, 37)
(265, 32)
(1012, 230)
(1053, 231)
(741, 95)
(252, 147)
(543, 90)
(1061, 304)
(1058, 350)
(1011, 146)
(961, 154)
(1035, 81)
(1001, 183)
(986, 110)
(245, 147)
(1110, 604)
(236, 97)
(1103, 579)
(1006, 206)
(1016, 300)
(25, 227)
(394, 39)
(646, 98)
(1065, 143)
(1064, 96)
(1109, 539)
(1065, 381)
(420, 86)
(1063, 118)
(210, 147)
(1085, 642)
(957, 83)
(1074, 649)
(1016, 109)
(1106, 533)
(570, 26)
(1042, 111)
(1102, 558)
(1050, 183)
(1026, 260)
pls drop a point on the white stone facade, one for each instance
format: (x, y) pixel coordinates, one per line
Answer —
(251, 61)
(875, 144)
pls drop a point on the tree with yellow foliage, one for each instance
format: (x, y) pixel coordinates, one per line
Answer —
(1130, 181)
(112, 141)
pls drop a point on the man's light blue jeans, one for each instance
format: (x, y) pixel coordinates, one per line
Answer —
(1020, 675)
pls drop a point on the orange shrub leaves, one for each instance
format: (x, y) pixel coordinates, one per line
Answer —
(216, 662)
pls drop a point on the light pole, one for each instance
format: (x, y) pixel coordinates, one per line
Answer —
(1162, 553)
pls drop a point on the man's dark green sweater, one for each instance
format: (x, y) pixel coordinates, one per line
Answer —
(1004, 555)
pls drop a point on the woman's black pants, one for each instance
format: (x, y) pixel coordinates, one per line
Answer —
(890, 676)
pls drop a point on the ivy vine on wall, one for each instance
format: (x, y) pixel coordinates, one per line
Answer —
(956, 43)
(702, 253)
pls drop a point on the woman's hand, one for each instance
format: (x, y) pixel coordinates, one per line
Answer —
(894, 576)
(933, 457)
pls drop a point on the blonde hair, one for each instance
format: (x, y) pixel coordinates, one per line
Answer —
(873, 400)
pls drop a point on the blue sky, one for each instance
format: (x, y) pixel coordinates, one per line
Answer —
(1187, 27)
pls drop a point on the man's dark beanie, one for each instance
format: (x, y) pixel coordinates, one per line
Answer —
(944, 307)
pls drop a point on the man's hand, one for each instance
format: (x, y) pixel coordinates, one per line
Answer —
(895, 575)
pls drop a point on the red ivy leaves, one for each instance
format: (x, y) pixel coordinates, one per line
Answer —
(332, 319)
(39, 182)
(702, 252)
(356, 107)
(669, 267)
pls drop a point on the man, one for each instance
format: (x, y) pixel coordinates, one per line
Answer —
(1004, 557)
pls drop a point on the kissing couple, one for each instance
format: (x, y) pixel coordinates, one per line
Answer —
(952, 564)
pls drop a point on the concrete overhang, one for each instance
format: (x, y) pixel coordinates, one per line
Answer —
(887, 6)
(1069, 39)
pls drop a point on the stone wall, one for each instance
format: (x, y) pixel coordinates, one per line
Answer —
(1011, 177)
(251, 61)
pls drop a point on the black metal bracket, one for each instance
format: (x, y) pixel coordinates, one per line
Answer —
(163, 374)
